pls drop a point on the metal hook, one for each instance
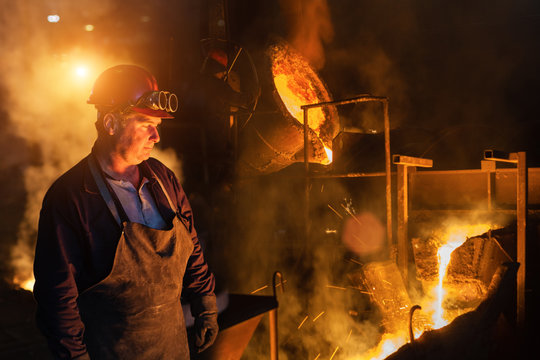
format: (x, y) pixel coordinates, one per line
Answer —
(411, 313)
(277, 274)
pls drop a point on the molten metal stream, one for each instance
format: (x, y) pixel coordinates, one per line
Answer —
(443, 255)
(456, 238)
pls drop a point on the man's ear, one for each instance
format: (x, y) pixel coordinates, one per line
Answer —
(110, 123)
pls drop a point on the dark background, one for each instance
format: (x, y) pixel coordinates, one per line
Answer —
(461, 77)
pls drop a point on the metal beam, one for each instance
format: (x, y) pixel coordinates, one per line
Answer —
(403, 222)
(412, 161)
(502, 156)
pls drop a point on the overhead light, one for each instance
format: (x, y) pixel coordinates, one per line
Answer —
(53, 18)
(89, 27)
(81, 71)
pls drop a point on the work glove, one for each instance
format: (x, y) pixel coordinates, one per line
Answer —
(204, 310)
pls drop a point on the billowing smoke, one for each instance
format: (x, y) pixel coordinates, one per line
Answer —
(46, 78)
(310, 28)
(320, 313)
(319, 310)
(386, 49)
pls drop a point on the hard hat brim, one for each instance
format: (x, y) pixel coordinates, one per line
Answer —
(156, 113)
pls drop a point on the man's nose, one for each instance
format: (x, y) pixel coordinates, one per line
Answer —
(154, 136)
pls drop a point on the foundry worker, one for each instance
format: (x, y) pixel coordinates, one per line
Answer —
(116, 244)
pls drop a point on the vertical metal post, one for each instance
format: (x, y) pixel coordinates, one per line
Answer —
(521, 213)
(388, 174)
(274, 353)
(402, 221)
(403, 164)
(489, 191)
(307, 182)
(233, 122)
(273, 334)
(520, 159)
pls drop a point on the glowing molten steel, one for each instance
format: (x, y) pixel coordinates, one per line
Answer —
(328, 154)
(295, 92)
(443, 255)
(388, 345)
(297, 84)
(455, 239)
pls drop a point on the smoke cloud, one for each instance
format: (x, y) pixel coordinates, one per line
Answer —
(318, 310)
(433, 65)
(310, 28)
(47, 76)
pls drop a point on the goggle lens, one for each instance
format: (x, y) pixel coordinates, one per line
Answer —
(159, 100)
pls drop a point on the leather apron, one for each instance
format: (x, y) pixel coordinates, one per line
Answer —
(135, 312)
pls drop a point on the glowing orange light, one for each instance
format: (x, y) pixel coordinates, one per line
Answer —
(455, 238)
(294, 95)
(81, 71)
(53, 18)
(296, 85)
(328, 154)
(388, 345)
(26, 284)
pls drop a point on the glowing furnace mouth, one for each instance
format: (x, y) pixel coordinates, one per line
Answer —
(274, 137)
(297, 84)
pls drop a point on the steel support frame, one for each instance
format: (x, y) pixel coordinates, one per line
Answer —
(388, 190)
(520, 159)
(403, 164)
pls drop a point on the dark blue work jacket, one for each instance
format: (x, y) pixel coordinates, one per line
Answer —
(76, 244)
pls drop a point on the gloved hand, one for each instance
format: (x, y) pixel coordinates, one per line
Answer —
(204, 309)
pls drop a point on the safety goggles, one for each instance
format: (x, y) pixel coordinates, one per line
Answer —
(154, 103)
(158, 100)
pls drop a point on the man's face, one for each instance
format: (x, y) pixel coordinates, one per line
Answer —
(137, 137)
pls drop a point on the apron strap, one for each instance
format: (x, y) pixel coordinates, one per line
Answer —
(171, 204)
(103, 189)
(106, 194)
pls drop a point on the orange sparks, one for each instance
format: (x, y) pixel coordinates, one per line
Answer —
(259, 289)
(303, 321)
(318, 316)
(335, 351)
(335, 211)
(348, 337)
(336, 287)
